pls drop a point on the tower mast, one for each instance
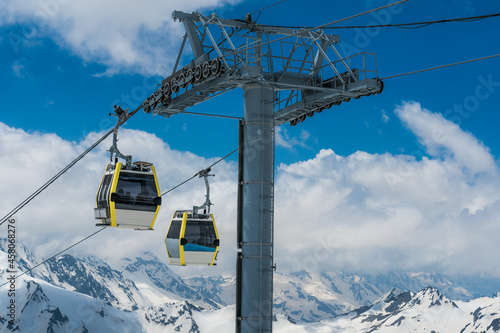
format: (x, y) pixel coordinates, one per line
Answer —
(287, 75)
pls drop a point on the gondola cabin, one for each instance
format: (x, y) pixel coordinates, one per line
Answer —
(192, 239)
(128, 197)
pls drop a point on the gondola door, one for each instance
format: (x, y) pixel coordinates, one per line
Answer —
(200, 241)
(173, 239)
(192, 240)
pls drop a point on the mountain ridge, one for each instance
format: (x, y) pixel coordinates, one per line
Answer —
(144, 286)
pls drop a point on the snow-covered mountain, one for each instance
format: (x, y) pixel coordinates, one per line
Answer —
(485, 315)
(309, 297)
(139, 283)
(74, 292)
(426, 311)
(42, 307)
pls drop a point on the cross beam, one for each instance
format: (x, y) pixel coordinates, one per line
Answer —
(305, 70)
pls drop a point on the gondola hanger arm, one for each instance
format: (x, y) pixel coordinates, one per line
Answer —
(206, 205)
(122, 115)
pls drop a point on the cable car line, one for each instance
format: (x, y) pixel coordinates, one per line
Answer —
(43, 187)
(60, 173)
(442, 66)
(249, 16)
(129, 195)
(399, 25)
(199, 172)
(55, 255)
(192, 237)
(311, 29)
(173, 188)
(274, 4)
(126, 117)
(101, 229)
(27, 200)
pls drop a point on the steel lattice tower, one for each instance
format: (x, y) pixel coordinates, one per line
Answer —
(287, 75)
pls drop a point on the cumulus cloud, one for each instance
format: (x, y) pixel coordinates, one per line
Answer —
(63, 213)
(442, 137)
(376, 212)
(362, 212)
(129, 36)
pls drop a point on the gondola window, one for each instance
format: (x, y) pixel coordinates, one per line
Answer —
(136, 191)
(200, 236)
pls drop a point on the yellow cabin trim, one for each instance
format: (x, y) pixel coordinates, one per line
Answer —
(114, 184)
(217, 237)
(183, 231)
(159, 194)
(154, 217)
(156, 181)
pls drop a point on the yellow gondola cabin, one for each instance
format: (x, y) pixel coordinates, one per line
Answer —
(128, 197)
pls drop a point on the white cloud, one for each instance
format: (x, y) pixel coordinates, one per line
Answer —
(385, 117)
(362, 212)
(63, 213)
(442, 137)
(130, 36)
(378, 212)
(285, 140)
(18, 68)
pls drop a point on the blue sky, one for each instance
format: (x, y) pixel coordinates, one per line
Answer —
(55, 90)
(64, 65)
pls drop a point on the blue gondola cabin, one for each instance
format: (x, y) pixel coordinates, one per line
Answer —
(192, 239)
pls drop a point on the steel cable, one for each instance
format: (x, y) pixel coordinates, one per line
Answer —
(66, 168)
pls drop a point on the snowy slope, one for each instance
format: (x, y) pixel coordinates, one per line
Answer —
(41, 307)
(90, 276)
(485, 314)
(397, 311)
(221, 289)
(142, 282)
(301, 296)
(159, 284)
(309, 297)
(145, 293)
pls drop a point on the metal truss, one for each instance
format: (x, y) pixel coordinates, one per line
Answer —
(307, 72)
(287, 75)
